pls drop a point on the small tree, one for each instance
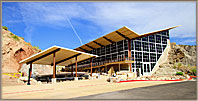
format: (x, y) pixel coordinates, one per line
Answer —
(179, 73)
(4, 27)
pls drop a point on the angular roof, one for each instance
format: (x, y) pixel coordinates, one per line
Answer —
(63, 56)
(115, 36)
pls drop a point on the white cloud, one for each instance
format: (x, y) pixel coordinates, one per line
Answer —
(189, 41)
(141, 17)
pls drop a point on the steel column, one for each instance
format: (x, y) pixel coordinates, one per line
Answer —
(91, 65)
(72, 71)
(54, 65)
(119, 67)
(129, 54)
(30, 72)
(76, 66)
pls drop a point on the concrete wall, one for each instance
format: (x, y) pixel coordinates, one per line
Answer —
(163, 57)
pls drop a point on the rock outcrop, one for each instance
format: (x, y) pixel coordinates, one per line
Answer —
(15, 49)
(181, 58)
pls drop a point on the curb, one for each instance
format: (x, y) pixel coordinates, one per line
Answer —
(152, 80)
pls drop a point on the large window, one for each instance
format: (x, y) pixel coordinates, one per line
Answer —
(138, 56)
(132, 55)
(108, 49)
(163, 33)
(126, 54)
(145, 46)
(132, 45)
(114, 56)
(145, 39)
(103, 58)
(113, 48)
(159, 48)
(164, 39)
(120, 46)
(138, 46)
(146, 57)
(151, 38)
(103, 51)
(158, 39)
(108, 57)
(98, 51)
(152, 47)
(138, 65)
(152, 57)
(125, 45)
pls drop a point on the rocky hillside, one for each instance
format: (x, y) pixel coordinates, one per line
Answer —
(181, 58)
(15, 49)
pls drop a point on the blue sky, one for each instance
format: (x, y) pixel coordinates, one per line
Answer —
(45, 24)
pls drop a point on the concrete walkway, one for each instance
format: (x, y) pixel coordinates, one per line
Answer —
(71, 89)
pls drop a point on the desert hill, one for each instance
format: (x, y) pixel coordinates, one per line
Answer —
(15, 49)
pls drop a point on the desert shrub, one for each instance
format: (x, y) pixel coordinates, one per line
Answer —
(22, 38)
(4, 27)
(36, 47)
(15, 37)
(179, 65)
(11, 33)
(193, 71)
(179, 73)
(174, 66)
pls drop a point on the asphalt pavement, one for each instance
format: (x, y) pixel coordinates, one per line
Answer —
(174, 91)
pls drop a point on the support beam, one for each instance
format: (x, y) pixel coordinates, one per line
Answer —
(89, 46)
(30, 73)
(122, 35)
(84, 50)
(119, 67)
(98, 44)
(129, 54)
(106, 68)
(72, 71)
(108, 40)
(91, 65)
(76, 66)
(67, 58)
(54, 65)
(43, 56)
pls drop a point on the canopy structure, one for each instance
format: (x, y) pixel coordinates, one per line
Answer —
(64, 56)
(115, 36)
(56, 55)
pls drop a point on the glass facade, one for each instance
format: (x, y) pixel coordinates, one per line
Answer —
(145, 52)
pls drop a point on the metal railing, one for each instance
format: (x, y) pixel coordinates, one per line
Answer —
(98, 63)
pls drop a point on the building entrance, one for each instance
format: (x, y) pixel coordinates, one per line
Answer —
(146, 69)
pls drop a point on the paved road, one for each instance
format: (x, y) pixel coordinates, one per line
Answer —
(180, 91)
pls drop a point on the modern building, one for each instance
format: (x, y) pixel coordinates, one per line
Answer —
(125, 50)
(122, 50)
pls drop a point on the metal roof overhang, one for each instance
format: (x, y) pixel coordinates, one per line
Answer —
(154, 32)
(63, 56)
(112, 37)
(115, 36)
